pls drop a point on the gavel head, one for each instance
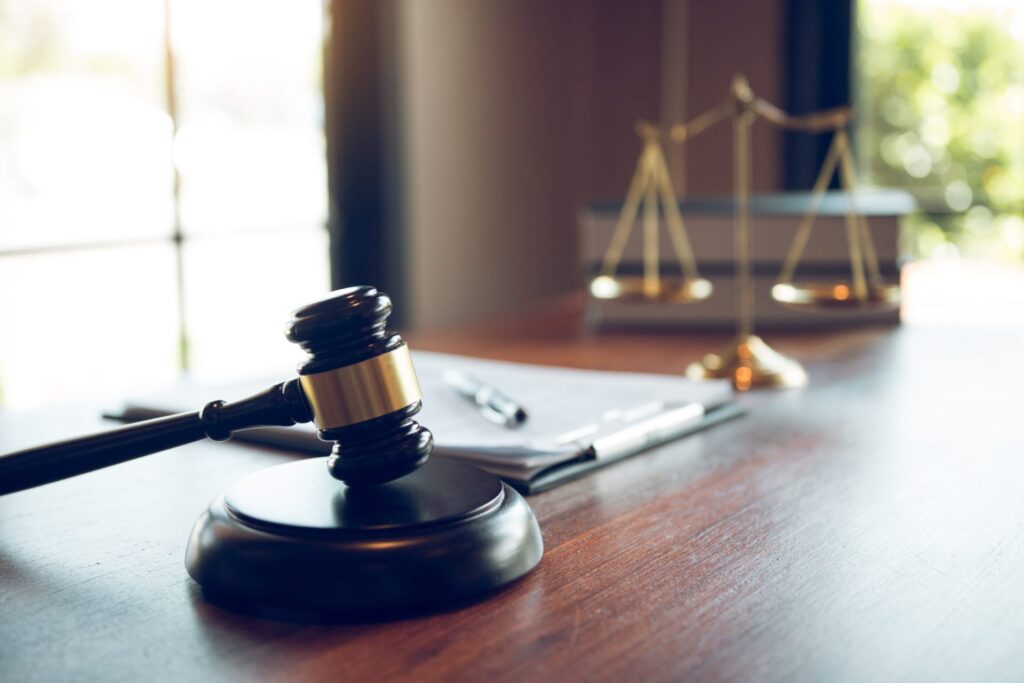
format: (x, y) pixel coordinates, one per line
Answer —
(361, 387)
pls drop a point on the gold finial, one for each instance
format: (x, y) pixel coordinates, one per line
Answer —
(741, 91)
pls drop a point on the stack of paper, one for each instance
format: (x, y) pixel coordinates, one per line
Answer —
(578, 419)
(572, 413)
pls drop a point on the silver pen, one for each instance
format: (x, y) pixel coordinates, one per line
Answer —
(649, 431)
(493, 404)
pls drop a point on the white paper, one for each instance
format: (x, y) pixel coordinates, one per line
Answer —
(569, 410)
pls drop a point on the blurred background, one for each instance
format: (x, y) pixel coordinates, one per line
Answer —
(176, 176)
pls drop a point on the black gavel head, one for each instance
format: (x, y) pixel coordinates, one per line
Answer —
(361, 387)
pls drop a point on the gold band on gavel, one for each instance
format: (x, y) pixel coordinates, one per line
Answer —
(362, 391)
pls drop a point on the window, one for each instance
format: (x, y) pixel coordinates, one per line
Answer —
(162, 191)
(942, 114)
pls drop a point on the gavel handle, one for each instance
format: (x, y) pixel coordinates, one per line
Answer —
(282, 404)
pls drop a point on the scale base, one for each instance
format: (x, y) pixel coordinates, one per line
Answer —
(750, 363)
(292, 538)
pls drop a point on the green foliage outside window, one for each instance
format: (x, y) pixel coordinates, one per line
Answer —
(941, 114)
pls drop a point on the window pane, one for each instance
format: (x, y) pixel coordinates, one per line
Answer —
(85, 141)
(240, 291)
(90, 322)
(941, 113)
(250, 146)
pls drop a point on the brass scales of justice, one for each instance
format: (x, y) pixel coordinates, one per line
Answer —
(748, 361)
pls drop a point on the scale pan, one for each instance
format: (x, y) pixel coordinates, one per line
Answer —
(810, 296)
(669, 289)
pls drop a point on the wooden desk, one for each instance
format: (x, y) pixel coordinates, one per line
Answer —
(870, 527)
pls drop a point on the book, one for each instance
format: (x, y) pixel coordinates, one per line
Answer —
(718, 311)
(774, 222)
(579, 420)
(775, 219)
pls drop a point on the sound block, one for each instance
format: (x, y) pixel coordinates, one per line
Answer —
(291, 537)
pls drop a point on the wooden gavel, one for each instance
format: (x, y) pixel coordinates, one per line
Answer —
(358, 385)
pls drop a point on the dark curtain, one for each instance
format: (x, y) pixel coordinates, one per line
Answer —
(363, 147)
(819, 40)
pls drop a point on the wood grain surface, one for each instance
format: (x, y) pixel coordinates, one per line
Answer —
(867, 528)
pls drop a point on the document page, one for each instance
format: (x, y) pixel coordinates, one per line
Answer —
(568, 410)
